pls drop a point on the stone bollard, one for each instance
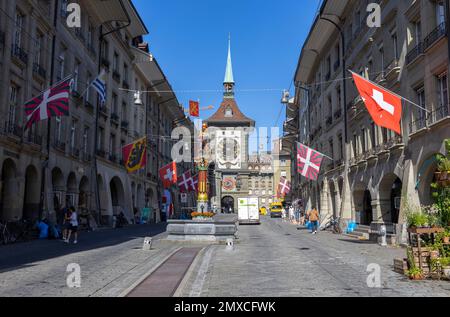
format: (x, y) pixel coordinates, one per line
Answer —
(230, 245)
(383, 233)
(147, 244)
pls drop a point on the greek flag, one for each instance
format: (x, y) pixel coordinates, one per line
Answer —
(100, 85)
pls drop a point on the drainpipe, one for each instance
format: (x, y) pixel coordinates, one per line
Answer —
(46, 164)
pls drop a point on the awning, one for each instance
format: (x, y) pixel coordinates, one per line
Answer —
(112, 10)
(319, 36)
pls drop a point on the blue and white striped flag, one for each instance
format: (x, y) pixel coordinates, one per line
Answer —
(100, 85)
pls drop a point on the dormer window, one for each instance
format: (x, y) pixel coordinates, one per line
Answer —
(228, 112)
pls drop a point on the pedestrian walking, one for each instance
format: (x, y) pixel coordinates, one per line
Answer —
(67, 213)
(73, 226)
(314, 219)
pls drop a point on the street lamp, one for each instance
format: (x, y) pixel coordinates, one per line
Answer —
(137, 98)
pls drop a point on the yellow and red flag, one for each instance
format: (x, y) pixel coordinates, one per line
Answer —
(194, 108)
(135, 155)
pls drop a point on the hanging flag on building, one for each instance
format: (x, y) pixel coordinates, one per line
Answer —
(308, 162)
(53, 102)
(384, 106)
(284, 187)
(135, 155)
(99, 85)
(185, 182)
(168, 175)
(194, 108)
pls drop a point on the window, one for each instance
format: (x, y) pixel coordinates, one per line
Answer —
(443, 90)
(228, 112)
(124, 111)
(90, 35)
(88, 83)
(114, 103)
(61, 65)
(395, 44)
(73, 136)
(283, 173)
(355, 145)
(13, 93)
(125, 73)
(112, 144)
(116, 62)
(85, 140)
(363, 140)
(76, 76)
(440, 13)
(58, 129)
(38, 48)
(417, 32)
(341, 147)
(382, 61)
(331, 146)
(101, 138)
(18, 29)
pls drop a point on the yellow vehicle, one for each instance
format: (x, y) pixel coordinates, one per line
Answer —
(276, 210)
(263, 211)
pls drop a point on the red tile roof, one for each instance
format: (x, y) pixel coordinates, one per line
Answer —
(237, 117)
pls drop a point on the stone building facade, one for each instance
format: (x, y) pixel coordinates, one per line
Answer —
(38, 48)
(261, 181)
(374, 170)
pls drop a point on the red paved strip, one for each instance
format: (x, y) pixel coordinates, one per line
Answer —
(166, 279)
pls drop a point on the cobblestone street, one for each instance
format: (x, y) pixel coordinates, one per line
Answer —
(276, 259)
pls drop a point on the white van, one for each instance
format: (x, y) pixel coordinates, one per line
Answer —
(248, 210)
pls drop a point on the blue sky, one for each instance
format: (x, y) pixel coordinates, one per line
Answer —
(189, 38)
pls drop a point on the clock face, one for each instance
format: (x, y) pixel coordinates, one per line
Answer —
(228, 150)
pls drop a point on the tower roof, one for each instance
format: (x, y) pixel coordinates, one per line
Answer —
(229, 79)
(229, 114)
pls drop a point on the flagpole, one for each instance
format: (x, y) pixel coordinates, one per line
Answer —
(397, 95)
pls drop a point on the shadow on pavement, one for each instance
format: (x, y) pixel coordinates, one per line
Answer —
(357, 241)
(19, 255)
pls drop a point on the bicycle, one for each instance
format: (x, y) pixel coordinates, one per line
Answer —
(333, 224)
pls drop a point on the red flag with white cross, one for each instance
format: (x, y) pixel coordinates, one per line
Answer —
(184, 182)
(194, 184)
(384, 106)
(284, 187)
(168, 175)
(309, 162)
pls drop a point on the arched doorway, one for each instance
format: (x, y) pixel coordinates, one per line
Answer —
(32, 194)
(425, 177)
(72, 190)
(117, 196)
(9, 191)
(390, 198)
(228, 205)
(367, 212)
(84, 195)
(58, 189)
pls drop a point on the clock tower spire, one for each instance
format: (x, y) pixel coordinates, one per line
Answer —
(228, 82)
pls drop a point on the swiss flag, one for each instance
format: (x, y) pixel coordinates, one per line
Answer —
(168, 174)
(384, 106)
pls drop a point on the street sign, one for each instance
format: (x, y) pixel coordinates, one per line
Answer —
(183, 198)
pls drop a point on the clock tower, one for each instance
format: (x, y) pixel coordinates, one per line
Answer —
(230, 130)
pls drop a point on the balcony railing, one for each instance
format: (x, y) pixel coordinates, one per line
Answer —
(39, 70)
(33, 138)
(86, 157)
(115, 118)
(13, 129)
(101, 152)
(124, 125)
(337, 114)
(19, 53)
(74, 152)
(116, 76)
(336, 65)
(105, 62)
(414, 53)
(418, 124)
(59, 145)
(440, 113)
(435, 35)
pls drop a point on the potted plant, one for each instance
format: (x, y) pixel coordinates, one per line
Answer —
(446, 237)
(445, 264)
(415, 274)
(417, 219)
